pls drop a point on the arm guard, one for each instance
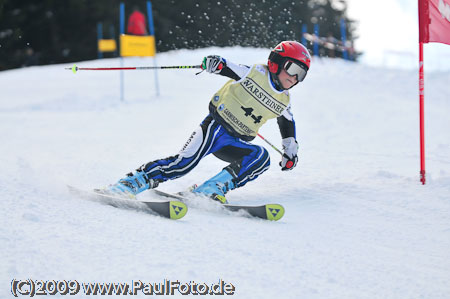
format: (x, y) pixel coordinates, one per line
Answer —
(287, 127)
(234, 71)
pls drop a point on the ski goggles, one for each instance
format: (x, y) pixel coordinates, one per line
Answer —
(294, 69)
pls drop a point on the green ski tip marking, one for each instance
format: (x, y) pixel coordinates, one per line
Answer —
(177, 209)
(74, 69)
(274, 212)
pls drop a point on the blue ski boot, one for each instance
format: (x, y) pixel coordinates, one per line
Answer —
(217, 186)
(131, 185)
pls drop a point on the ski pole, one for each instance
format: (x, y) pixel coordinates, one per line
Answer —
(273, 146)
(75, 68)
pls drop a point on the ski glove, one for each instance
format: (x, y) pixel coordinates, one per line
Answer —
(213, 64)
(289, 159)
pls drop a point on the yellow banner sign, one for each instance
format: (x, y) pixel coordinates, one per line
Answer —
(107, 45)
(134, 45)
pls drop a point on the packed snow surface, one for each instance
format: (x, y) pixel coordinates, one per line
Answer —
(358, 223)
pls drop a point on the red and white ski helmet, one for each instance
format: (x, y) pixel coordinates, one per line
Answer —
(288, 50)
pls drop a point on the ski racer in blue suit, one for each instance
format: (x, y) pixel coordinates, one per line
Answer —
(236, 112)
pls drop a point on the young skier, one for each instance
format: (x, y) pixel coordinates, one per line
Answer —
(236, 112)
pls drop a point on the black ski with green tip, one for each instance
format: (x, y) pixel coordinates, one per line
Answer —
(171, 209)
(272, 212)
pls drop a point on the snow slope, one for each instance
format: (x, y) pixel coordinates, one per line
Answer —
(358, 223)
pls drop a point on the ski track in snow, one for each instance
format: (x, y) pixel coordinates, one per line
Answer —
(358, 223)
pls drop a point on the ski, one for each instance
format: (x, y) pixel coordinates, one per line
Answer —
(171, 209)
(272, 212)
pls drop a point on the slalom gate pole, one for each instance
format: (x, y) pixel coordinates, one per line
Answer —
(75, 68)
(421, 114)
(268, 142)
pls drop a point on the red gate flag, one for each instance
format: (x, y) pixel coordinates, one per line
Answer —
(434, 21)
(434, 26)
